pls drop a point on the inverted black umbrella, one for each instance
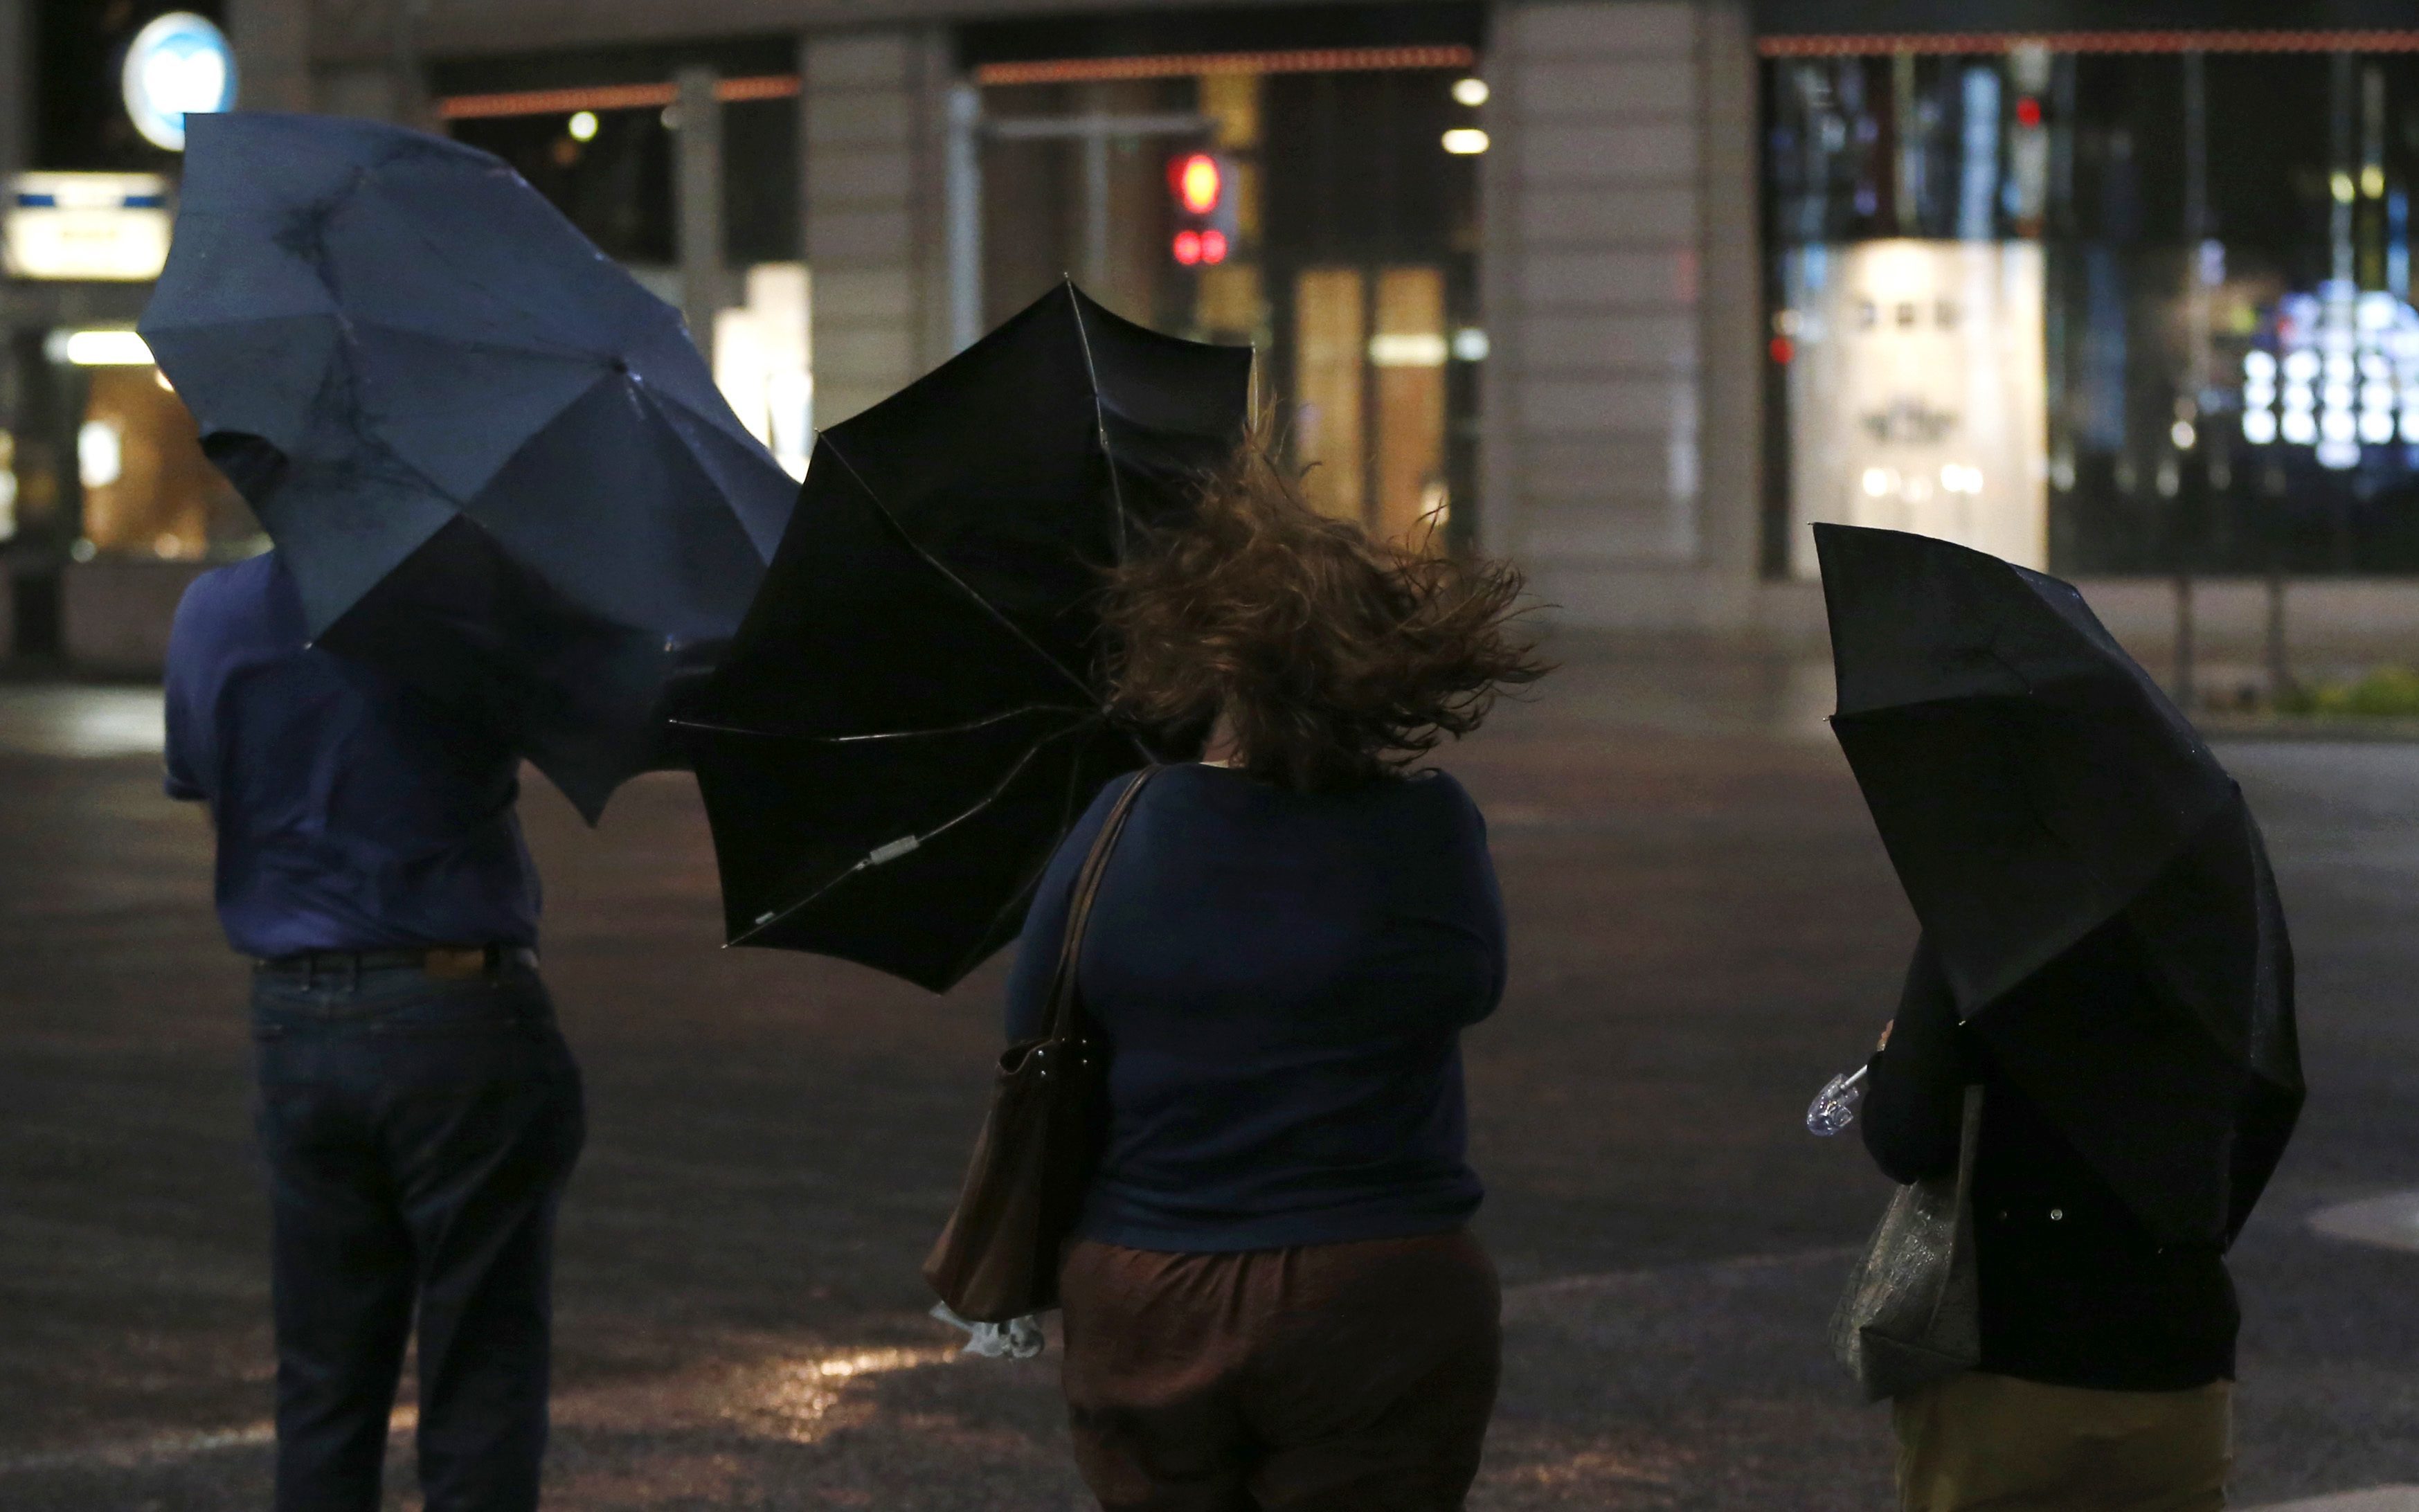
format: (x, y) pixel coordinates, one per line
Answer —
(2039, 795)
(492, 460)
(912, 716)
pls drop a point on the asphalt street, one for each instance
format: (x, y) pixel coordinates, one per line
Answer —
(1703, 929)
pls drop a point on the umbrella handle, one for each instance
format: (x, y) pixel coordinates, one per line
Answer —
(1835, 1106)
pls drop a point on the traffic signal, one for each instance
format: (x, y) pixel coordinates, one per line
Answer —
(1203, 185)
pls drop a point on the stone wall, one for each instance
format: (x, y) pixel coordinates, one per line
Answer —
(1620, 278)
(870, 124)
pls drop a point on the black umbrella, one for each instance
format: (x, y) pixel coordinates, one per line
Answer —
(2039, 795)
(912, 716)
(493, 461)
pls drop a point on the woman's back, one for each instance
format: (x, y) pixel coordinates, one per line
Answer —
(1281, 979)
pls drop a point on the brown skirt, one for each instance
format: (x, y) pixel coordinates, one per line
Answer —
(1334, 1377)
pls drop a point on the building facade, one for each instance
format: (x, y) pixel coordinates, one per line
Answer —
(1629, 290)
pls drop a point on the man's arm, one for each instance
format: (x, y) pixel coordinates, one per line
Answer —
(185, 755)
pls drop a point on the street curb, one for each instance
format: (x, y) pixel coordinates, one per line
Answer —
(2376, 1499)
(2344, 729)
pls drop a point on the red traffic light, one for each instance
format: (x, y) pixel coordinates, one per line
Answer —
(1193, 248)
(1197, 182)
(2028, 111)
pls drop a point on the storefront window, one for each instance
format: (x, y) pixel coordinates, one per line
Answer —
(134, 455)
(1331, 226)
(2110, 312)
(149, 492)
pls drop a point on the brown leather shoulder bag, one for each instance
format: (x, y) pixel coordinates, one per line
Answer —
(998, 1257)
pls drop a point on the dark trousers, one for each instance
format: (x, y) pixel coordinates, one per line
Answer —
(418, 1133)
(1328, 1378)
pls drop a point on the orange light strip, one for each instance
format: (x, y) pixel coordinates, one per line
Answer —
(1184, 65)
(608, 96)
(1881, 44)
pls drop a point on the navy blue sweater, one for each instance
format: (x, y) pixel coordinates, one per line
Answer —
(1282, 979)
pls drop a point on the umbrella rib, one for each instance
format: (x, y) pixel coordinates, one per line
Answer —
(1099, 418)
(868, 862)
(1023, 894)
(577, 356)
(1068, 811)
(967, 728)
(956, 581)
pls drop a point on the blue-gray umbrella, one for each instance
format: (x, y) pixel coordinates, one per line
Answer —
(492, 460)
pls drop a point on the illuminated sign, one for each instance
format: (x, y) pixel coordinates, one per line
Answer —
(100, 226)
(1917, 395)
(177, 66)
(2343, 373)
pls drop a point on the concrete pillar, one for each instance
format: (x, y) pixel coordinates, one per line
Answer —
(1600, 271)
(1729, 309)
(16, 87)
(272, 52)
(697, 204)
(874, 139)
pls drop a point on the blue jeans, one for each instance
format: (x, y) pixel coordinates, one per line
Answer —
(418, 1133)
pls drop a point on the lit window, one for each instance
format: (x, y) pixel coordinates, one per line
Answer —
(101, 454)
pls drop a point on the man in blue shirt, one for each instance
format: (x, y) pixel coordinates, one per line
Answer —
(419, 1110)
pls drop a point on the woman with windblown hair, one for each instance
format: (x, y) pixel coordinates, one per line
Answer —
(1272, 1300)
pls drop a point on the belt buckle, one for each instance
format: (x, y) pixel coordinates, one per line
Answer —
(457, 962)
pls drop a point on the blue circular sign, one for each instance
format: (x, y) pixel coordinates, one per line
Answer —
(178, 65)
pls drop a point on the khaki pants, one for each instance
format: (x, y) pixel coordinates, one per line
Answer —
(1980, 1443)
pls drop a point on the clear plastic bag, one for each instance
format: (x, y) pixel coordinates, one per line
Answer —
(1834, 1107)
(1019, 1338)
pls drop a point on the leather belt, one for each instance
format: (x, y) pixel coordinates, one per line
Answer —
(452, 960)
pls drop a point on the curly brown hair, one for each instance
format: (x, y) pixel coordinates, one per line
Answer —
(1336, 658)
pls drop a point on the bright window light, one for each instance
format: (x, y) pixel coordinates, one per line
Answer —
(1470, 91)
(101, 454)
(1465, 141)
(98, 349)
(1408, 350)
(2258, 426)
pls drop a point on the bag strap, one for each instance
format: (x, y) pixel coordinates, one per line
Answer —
(1079, 907)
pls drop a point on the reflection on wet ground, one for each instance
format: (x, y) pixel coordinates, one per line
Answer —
(70, 719)
(1703, 929)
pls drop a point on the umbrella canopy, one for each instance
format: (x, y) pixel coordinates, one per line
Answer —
(912, 716)
(491, 460)
(2036, 791)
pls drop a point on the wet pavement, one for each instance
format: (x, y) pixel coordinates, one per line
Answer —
(1703, 929)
